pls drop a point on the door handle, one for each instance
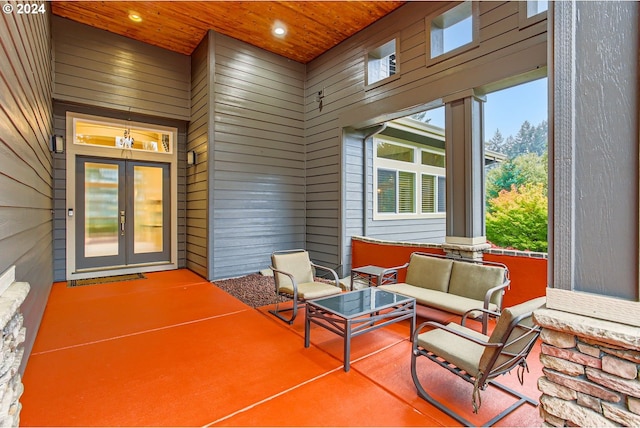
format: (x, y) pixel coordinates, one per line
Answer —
(122, 219)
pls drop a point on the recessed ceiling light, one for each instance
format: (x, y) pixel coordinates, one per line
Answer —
(135, 17)
(279, 29)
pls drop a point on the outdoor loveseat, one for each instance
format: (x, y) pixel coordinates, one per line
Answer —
(454, 285)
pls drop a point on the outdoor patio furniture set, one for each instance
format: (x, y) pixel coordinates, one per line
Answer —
(469, 288)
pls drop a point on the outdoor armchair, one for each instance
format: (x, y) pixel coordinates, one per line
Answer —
(478, 358)
(294, 276)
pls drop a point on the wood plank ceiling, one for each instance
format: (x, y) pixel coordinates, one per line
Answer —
(313, 27)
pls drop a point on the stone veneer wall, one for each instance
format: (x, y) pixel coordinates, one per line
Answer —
(12, 295)
(590, 369)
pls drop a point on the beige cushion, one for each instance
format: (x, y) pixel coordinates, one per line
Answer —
(437, 299)
(429, 272)
(473, 280)
(311, 290)
(297, 264)
(502, 326)
(457, 350)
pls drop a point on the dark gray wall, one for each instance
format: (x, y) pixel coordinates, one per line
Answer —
(200, 129)
(505, 50)
(95, 67)
(606, 149)
(595, 175)
(25, 160)
(258, 187)
(247, 193)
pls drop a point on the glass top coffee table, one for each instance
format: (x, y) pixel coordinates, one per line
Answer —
(357, 312)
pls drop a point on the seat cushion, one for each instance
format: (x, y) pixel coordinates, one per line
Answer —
(506, 318)
(473, 280)
(297, 264)
(457, 350)
(437, 299)
(311, 290)
(429, 272)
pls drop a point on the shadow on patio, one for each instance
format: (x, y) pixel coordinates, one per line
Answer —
(174, 350)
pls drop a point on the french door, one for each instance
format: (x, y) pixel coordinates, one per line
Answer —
(122, 214)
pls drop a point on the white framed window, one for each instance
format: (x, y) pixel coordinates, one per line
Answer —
(531, 12)
(409, 180)
(452, 32)
(382, 64)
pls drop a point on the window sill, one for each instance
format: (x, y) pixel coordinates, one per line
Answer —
(448, 55)
(384, 81)
(387, 217)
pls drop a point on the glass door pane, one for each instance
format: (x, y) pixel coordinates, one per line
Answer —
(147, 208)
(101, 228)
(100, 189)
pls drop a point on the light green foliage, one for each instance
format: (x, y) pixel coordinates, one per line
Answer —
(517, 218)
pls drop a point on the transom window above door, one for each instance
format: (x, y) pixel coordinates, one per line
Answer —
(122, 136)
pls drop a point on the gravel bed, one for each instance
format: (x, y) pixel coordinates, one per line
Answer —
(254, 290)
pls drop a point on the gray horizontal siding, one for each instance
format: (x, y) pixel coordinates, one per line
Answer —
(504, 51)
(26, 164)
(197, 179)
(258, 187)
(99, 68)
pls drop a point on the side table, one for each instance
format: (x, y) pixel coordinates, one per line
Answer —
(374, 275)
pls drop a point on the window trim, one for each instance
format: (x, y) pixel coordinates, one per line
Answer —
(415, 168)
(475, 33)
(367, 55)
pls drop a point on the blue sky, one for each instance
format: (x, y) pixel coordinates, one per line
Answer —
(507, 109)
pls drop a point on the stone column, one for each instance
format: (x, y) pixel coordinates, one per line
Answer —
(465, 224)
(12, 295)
(590, 371)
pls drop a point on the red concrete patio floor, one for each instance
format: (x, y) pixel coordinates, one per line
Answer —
(174, 350)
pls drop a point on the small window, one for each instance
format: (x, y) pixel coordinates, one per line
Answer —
(452, 30)
(406, 192)
(396, 192)
(382, 63)
(386, 191)
(391, 151)
(531, 12)
(433, 194)
(535, 7)
(432, 159)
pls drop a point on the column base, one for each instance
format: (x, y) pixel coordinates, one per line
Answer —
(469, 248)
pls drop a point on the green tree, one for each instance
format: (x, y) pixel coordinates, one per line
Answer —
(496, 143)
(528, 168)
(517, 218)
(529, 139)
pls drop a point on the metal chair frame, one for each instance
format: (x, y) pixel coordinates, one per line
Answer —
(294, 297)
(481, 383)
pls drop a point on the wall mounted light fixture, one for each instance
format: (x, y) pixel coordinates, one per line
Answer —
(192, 157)
(57, 144)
